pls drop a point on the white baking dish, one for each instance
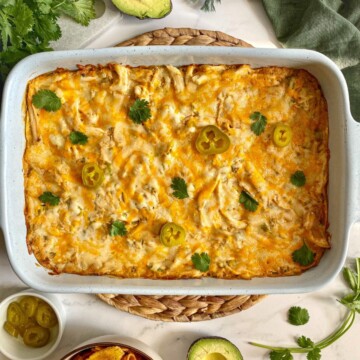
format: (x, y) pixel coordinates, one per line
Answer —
(344, 196)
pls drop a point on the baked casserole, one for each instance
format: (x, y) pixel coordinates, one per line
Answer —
(170, 172)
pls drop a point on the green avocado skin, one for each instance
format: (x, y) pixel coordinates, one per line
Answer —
(213, 348)
(144, 9)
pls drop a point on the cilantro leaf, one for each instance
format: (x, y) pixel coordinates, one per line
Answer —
(298, 178)
(303, 256)
(5, 30)
(305, 342)
(117, 228)
(23, 19)
(201, 261)
(49, 198)
(248, 202)
(16, 20)
(82, 11)
(314, 354)
(298, 316)
(77, 137)
(139, 111)
(12, 55)
(259, 123)
(180, 188)
(46, 99)
(281, 355)
(47, 28)
(44, 6)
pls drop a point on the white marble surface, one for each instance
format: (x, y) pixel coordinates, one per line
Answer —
(88, 317)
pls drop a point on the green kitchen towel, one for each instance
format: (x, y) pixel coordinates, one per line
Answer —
(331, 27)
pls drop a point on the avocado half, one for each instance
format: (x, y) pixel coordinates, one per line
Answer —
(213, 348)
(144, 9)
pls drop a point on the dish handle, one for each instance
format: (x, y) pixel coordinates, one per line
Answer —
(354, 169)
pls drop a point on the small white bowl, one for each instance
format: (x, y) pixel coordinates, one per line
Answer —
(14, 348)
(137, 346)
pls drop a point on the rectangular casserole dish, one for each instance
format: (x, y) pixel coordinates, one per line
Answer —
(343, 190)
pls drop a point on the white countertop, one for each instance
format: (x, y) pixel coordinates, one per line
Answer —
(88, 317)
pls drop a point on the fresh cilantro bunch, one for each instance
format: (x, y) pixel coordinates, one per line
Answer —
(28, 26)
(298, 316)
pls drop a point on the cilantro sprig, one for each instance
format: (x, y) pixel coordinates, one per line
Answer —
(248, 202)
(28, 26)
(49, 198)
(117, 228)
(259, 124)
(304, 342)
(180, 188)
(201, 261)
(298, 316)
(46, 99)
(303, 256)
(313, 349)
(82, 11)
(281, 355)
(78, 138)
(139, 111)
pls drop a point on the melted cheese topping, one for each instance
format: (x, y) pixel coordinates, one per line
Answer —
(140, 162)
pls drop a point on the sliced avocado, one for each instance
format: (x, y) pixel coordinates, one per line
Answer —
(143, 9)
(213, 348)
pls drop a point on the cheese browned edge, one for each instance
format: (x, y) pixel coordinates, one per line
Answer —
(141, 160)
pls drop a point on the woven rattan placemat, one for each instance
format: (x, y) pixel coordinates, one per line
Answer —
(185, 36)
(182, 308)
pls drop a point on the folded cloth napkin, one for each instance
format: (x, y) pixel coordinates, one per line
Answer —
(331, 27)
